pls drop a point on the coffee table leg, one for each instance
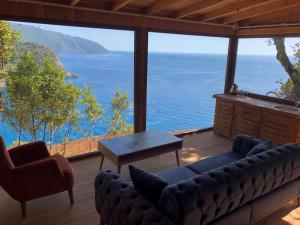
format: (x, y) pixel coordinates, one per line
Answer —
(101, 161)
(119, 169)
(177, 158)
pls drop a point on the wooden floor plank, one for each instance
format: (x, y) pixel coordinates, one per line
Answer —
(56, 210)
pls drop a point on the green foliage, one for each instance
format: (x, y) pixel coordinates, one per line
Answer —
(285, 89)
(119, 114)
(8, 38)
(93, 110)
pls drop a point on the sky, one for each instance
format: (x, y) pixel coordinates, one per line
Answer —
(121, 40)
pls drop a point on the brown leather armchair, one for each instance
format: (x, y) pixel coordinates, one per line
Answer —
(28, 172)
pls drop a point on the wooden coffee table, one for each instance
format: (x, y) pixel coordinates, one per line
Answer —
(135, 147)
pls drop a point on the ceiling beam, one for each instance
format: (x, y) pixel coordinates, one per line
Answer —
(202, 6)
(290, 31)
(231, 9)
(118, 4)
(74, 2)
(159, 5)
(271, 7)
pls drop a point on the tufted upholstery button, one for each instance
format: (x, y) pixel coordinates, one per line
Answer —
(134, 196)
(264, 175)
(200, 203)
(229, 191)
(242, 185)
(217, 211)
(145, 208)
(108, 191)
(230, 206)
(123, 186)
(128, 211)
(215, 197)
(117, 201)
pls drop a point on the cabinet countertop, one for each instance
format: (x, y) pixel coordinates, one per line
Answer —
(263, 104)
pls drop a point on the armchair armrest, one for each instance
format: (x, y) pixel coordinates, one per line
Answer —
(39, 170)
(119, 203)
(28, 153)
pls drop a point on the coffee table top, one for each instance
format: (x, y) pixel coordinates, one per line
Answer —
(138, 142)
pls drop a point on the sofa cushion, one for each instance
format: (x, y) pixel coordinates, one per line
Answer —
(240, 216)
(205, 165)
(175, 175)
(274, 200)
(147, 184)
(242, 144)
(261, 147)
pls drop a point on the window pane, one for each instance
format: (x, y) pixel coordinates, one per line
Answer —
(259, 71)
(184, 72)
(83, 93)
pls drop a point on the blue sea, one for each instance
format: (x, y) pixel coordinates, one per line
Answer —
(180, 86)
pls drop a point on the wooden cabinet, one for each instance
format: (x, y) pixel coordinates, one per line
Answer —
(223, 118)
(277, 127)
(233, 117)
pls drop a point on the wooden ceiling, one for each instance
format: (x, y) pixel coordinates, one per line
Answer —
(236, 14)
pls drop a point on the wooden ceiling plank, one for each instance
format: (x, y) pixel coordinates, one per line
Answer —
(271, 7)
(63, 14)
(231, 8)
(159, 5)
(283, 17)
(74, 2)
(201, 6)
(118, 4)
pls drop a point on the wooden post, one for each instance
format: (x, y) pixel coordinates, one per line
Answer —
(140, 79)
(231, 63)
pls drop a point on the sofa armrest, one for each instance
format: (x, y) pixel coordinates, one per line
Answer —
(242, 144)
(119, 203)
(28, 153)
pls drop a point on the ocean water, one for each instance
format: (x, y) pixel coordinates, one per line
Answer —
(180, 86)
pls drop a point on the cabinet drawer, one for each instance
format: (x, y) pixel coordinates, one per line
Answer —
(243, 126)
(247, 112)
(224, 107)
(277, 128)
(222, 124)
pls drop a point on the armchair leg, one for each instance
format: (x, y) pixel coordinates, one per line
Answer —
(71, 196)
(23, 208)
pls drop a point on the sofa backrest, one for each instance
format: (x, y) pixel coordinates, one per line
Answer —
(206, 197)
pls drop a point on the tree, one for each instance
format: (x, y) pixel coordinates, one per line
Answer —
(21, 99)
(118, 115)
(292, 85)
(93, 110)
(8, 38)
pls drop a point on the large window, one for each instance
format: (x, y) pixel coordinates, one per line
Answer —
(259, 71)
(184, 72)
(67, 86)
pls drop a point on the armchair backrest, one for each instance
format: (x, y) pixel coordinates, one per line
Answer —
(5, 162)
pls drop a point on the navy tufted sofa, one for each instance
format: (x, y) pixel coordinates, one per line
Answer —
(229, 189)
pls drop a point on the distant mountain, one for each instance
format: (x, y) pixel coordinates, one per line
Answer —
(59, 42)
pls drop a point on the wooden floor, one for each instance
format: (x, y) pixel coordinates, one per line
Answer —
(55, 210)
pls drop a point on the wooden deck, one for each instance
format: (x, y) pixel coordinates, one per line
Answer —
(55, 210)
